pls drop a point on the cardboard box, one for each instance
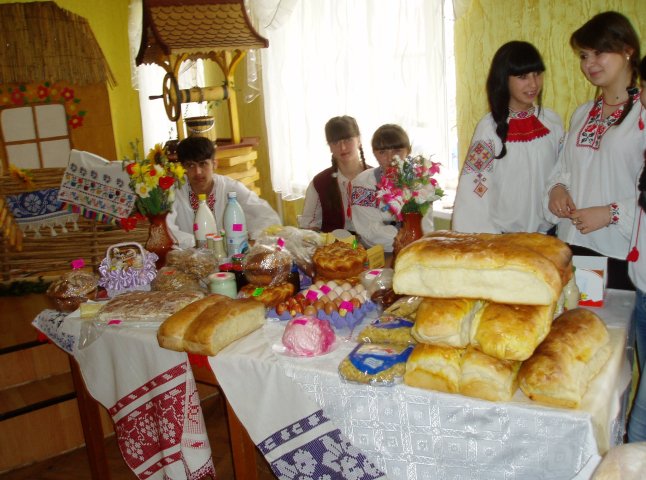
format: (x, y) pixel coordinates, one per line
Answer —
(590, 275)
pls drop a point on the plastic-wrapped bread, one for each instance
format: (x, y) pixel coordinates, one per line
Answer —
(446, 321)
(572, 354)
(498, 268)
(511, 332)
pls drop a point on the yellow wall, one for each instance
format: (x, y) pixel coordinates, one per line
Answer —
(547, 24)
(109, 22)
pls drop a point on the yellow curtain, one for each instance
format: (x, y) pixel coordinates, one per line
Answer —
(547, 24)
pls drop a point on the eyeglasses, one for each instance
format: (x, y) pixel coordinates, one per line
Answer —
(202, 164)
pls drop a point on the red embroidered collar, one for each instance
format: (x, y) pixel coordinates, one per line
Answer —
(194, 201)
(525, 127)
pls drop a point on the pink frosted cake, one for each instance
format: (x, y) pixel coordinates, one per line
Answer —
(308, 336)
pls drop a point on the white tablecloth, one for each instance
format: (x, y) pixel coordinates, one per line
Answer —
(410, 433)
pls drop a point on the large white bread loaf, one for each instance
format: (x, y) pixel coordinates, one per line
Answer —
(572, 354)
(434, 367)
(211, 325)
(499, 268)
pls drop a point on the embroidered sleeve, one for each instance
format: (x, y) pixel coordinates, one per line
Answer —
(614, 214)
(479, 163)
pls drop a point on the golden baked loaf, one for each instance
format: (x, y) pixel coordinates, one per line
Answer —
(478, 266)
(171, 333)
(339, 260)
(270, 296)
(486, 377)
(511, 332)
(215, 323)
(434, 367)
(574, 352)
(446, 321)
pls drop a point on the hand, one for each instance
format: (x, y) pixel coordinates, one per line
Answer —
(589, 219)
(561, 203)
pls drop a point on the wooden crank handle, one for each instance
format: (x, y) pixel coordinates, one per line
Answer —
(171, 96)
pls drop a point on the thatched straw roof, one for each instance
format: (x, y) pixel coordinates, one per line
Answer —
(196, 28)
(43, 42)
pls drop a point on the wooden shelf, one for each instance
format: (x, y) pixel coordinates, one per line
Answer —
(32, 396)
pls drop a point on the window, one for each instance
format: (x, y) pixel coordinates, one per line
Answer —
(36, 136)
(380, 62)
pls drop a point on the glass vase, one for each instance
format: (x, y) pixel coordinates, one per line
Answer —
(160, 239)
(410, 231)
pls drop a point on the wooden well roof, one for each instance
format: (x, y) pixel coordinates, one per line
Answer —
(196, 28)
(43, 42)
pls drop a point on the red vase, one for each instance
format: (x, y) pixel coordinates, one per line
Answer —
(410, 231)
(160, 239)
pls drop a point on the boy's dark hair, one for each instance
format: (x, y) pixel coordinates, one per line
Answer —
(195, 149)
(388, 136)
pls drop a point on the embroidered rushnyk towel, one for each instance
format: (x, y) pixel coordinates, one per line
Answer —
(152, 398)
(96, 188)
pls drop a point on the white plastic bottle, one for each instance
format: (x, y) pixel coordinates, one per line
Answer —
(235, 226)
(204, 223)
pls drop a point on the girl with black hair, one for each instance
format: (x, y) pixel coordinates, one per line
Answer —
(637, 271)
(513, 150)
(327, 198)
(591, 192)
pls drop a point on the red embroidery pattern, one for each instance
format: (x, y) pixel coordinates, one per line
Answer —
(479, 160)
(595, 127)
(194, 201)
(154, 428)
(614, 214)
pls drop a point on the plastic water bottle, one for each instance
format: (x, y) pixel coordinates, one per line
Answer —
(235, 226)
(204, 222)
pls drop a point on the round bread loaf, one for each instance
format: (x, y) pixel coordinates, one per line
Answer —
(339, 260)
(269, 295)
(266, 266)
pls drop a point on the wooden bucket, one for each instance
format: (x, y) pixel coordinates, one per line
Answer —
(201, 127)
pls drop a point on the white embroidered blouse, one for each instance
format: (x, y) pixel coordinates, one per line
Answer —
(599, 165)
(505, 194)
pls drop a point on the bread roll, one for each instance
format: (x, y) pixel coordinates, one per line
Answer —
(477, 266)
(434, 367)
(511, 332)
(445, 321)
(270, 296)
(574, 352)
(221, 324)
(339, 260)
(171, 333)
(486, 377)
